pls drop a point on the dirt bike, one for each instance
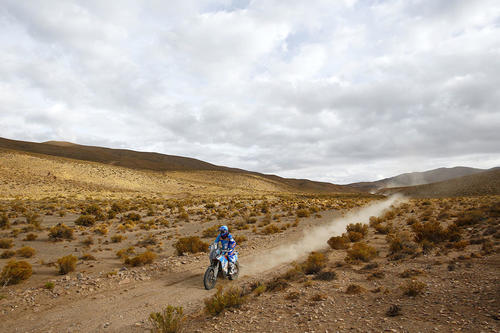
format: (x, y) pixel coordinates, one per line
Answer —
(218, 258)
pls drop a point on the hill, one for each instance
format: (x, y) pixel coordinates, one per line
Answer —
(62, 168)
(483, 183)
(416, 178)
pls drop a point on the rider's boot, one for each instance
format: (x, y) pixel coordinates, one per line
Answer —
(231, 268)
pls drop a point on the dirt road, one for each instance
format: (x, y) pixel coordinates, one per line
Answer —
(126, 307)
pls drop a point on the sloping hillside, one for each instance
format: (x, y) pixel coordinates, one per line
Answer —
(157, 162)
(484, 183)
(417, 178)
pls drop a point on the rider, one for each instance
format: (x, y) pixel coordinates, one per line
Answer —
(228, 243)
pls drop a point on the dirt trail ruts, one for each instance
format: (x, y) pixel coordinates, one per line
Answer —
(120, 308)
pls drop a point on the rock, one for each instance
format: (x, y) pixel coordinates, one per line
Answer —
(124, 281)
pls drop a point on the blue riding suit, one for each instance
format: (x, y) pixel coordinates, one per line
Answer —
(228, 243)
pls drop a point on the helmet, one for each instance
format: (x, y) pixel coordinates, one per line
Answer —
(224, 231)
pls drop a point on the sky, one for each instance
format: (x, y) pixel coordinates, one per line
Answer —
(339, 91)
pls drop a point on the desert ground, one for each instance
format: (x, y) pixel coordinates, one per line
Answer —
(92, 247)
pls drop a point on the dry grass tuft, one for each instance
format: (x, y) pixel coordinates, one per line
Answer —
(6, 243)
(141, 259)
(26, 252)
(191, 244)
(67, 264)
(60, 231)
(15, 272)
(339, 242)
(354, 289)
(314, 263)
(413, 288)
(361, 251)
(232, 298)
(170, 320)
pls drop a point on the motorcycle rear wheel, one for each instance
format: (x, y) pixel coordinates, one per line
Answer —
(210, 278)
(234, 276)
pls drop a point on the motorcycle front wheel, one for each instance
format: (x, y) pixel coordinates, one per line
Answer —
(210, 278)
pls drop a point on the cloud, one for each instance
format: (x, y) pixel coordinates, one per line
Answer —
(342, 91)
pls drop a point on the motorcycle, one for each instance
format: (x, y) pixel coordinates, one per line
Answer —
(218, 260)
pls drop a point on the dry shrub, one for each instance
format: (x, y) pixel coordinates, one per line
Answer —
(4, 221)
(314, 263)
(460, 245)
(148, 241)
(487, 247)
(277, 284)
(6, 243)
(30, 237)
(294, 274)
(453, 233)
(259, 289)
(292, 296)
(361, 251)
(192, 244)
(354, 289)
(240, 239)
(123, 253)
(431, 231)
(413, 288)
(470, 217)
(101, 229)
(353, 236)
(325, 276)
(357, 227)
(7, 254)
(14, 272)
(376, 275)
(303, 212)
(318, 297)
(408, 273)
(49, 285)
(67, 264)
(85, 220)
(411, 220)
(117, 238)
(270, 229)
(400, 244)
(88, 241)
(170, 320)
(184, 216)
(60, 231)
(210, 232)
(373, 221)
(141, 259)
(118, 207)
(339, 242)
(232, 298)
(33, 219)
(384, 230)
(26, 252)
(389, 214)
(87, 256)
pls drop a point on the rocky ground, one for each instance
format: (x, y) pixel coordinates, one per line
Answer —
(460, 284)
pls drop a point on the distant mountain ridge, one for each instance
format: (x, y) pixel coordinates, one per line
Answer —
(417, 178)
(482, 183)
(154, 161)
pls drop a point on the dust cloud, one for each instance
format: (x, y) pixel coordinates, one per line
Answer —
(315, 238)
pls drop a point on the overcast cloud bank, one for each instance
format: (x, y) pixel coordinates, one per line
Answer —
(339, 91)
